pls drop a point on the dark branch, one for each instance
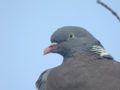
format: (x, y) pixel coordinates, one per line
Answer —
(107, 7)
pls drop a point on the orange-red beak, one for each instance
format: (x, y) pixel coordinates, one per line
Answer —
(51, 48)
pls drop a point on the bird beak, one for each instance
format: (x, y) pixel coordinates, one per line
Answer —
(50, 48)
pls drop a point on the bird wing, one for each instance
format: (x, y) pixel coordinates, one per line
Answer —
(41, 82)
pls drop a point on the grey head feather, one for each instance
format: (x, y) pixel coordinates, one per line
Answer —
(73, 40)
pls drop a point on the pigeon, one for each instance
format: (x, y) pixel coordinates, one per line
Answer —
(86, 64)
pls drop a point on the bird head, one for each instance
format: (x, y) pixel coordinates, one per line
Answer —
(70, 40)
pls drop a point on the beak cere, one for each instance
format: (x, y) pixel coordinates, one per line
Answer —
(51, 48)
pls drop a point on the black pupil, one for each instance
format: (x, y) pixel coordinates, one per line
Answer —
(71, 36)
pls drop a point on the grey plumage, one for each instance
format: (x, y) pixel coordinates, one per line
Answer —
(86, 64)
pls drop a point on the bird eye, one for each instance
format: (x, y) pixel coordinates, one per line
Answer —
(71, 35)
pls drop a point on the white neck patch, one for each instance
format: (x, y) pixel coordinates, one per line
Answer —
(99, 50)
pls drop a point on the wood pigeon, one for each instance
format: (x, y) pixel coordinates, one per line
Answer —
(86, 64)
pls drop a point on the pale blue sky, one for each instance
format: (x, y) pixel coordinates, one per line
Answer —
(26, 27)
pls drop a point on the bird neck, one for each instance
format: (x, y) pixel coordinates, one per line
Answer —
(99, 50)
(95, 49)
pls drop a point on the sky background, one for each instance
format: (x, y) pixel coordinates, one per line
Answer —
(26, 27)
